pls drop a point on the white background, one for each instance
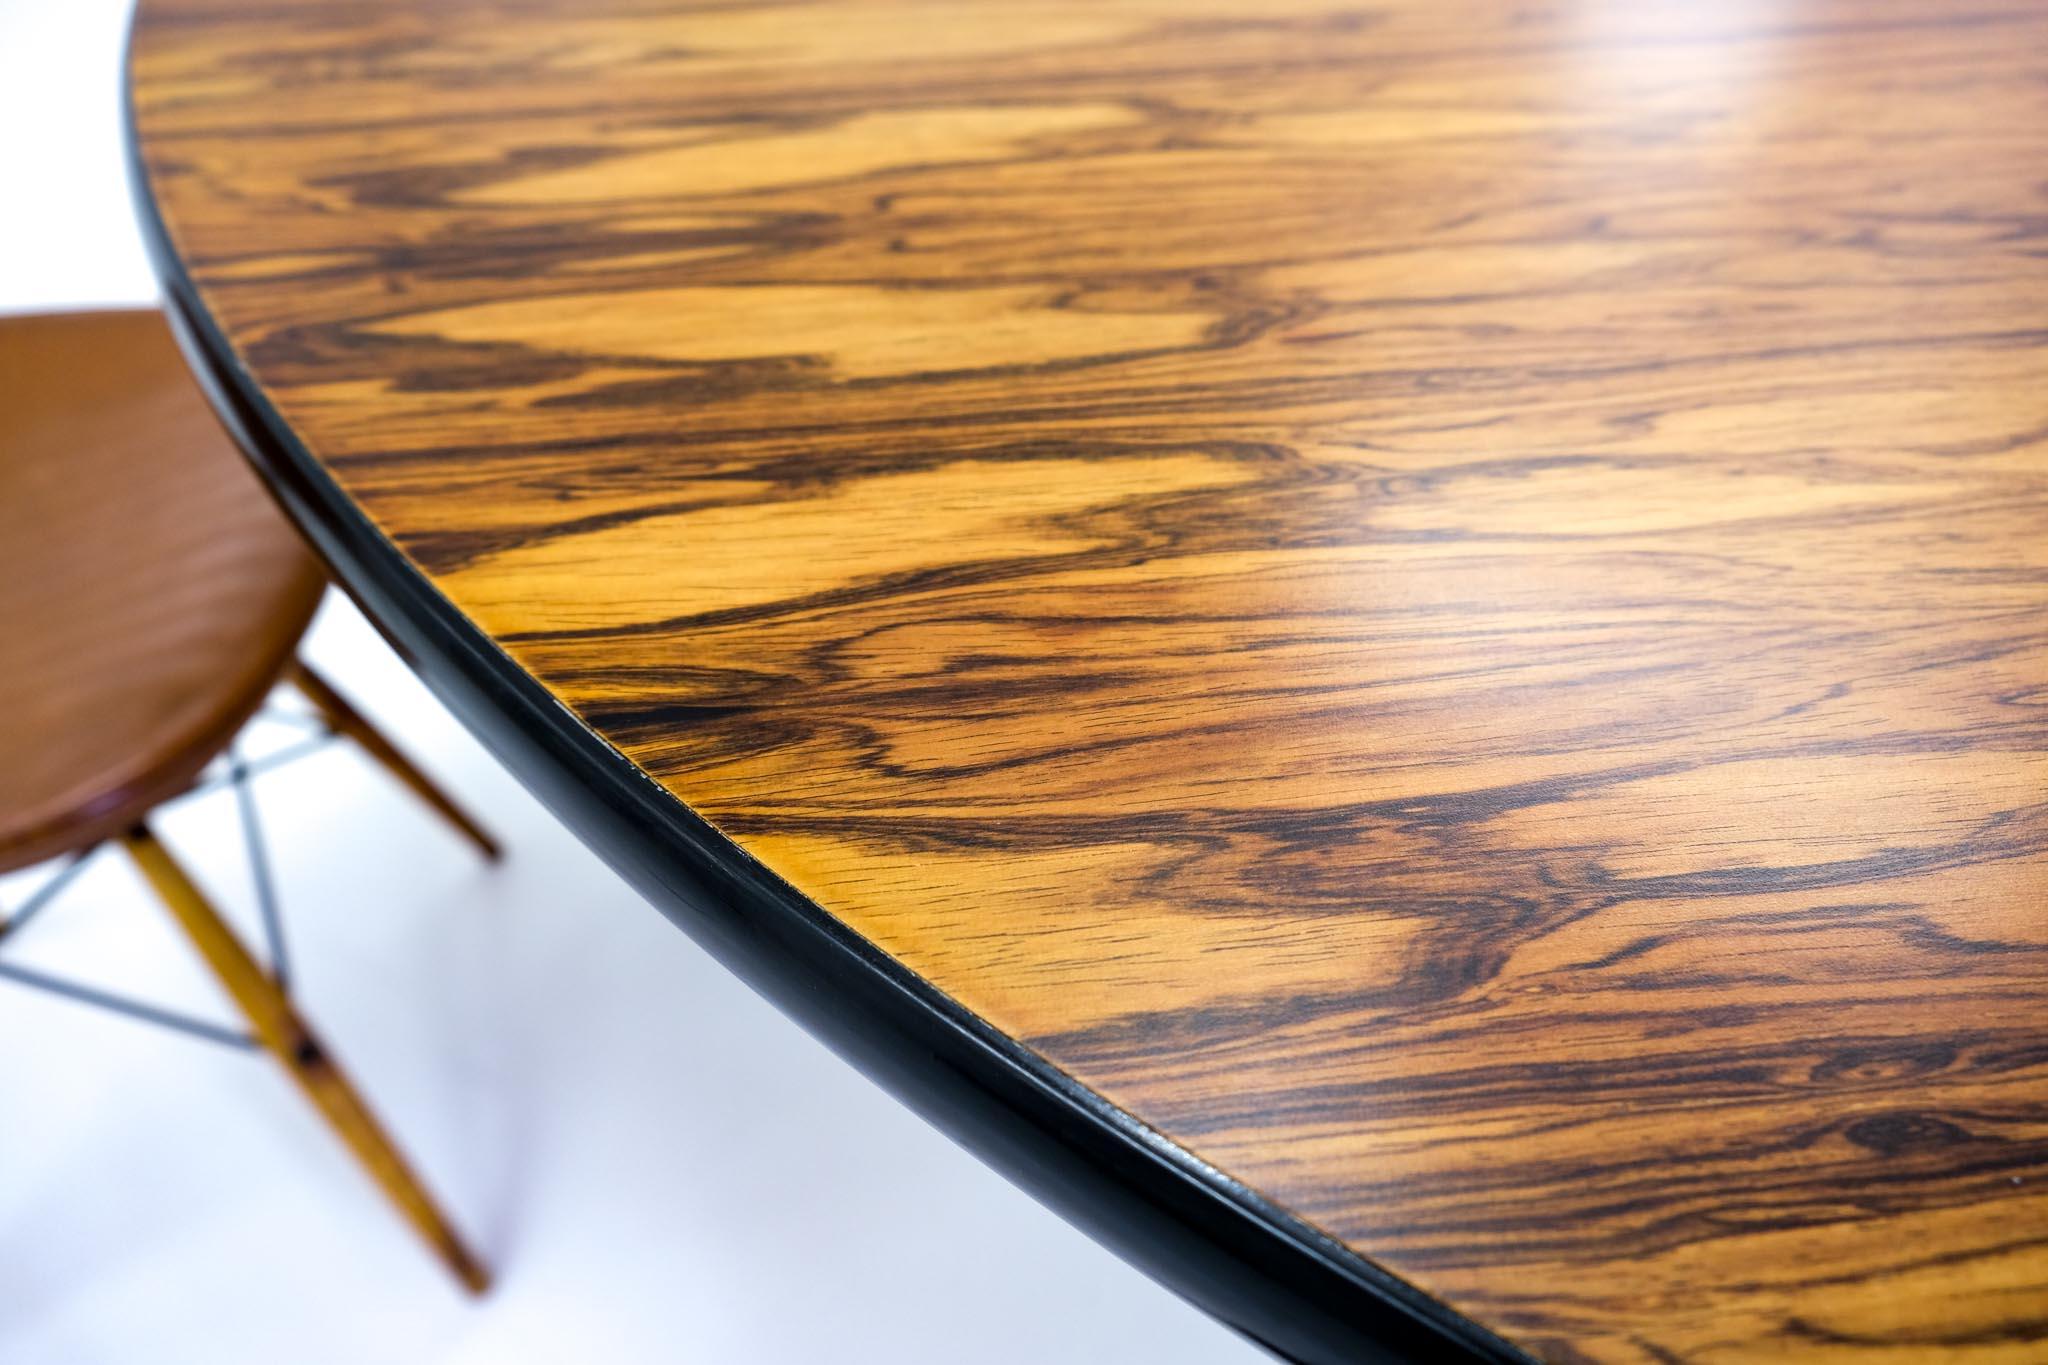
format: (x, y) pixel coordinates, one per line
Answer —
(658, 1166)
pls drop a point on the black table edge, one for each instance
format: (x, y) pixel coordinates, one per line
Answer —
(1266, 1273)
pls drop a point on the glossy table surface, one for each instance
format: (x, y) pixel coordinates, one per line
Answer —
(1440, 607)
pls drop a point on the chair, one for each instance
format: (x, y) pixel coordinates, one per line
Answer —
(151, 598)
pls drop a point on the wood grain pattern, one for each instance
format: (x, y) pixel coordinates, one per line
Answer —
(1443, 602)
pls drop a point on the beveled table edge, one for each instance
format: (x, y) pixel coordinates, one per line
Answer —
(1267, 1274)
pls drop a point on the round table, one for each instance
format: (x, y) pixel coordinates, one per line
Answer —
(1395, 653)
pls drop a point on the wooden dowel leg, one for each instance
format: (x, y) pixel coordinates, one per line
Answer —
(284, 1035)
(348, 721)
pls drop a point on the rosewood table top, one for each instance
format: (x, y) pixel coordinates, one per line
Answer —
(1398, 650)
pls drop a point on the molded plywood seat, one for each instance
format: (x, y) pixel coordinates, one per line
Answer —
(150, 593)
(150, 597)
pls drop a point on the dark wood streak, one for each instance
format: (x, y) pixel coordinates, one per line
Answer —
(1442, 602)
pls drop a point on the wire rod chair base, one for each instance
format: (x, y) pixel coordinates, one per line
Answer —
(262, 993)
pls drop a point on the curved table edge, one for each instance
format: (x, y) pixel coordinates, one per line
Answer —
(1264, 1272)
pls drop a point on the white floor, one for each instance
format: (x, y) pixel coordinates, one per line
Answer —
(658, 1166)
